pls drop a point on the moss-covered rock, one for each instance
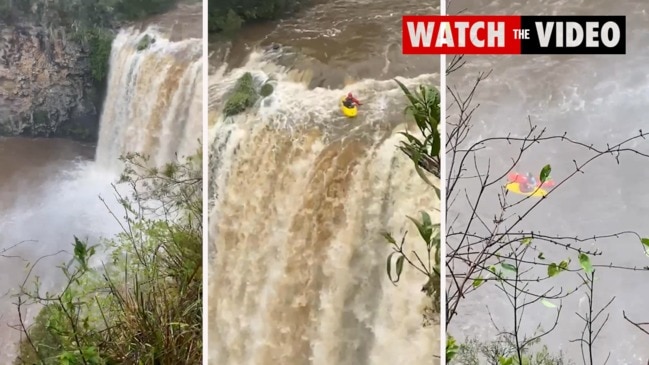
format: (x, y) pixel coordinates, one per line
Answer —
(41, 119)
(145, 42)
(243, 97)
(266, 90)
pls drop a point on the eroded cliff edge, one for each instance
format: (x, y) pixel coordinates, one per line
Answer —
(46, 84)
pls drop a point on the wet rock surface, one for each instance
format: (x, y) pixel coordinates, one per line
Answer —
(46, 87)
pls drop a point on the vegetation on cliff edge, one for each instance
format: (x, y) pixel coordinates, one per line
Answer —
(81, 13)
(243, 97)
(89, 21)
(142, 306)
(230, 15)
(424, 151)
(88, 26)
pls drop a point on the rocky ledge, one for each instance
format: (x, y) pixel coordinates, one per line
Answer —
(46, 87)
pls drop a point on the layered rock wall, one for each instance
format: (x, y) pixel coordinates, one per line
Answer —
(46, 87)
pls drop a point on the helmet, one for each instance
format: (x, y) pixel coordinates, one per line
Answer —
(349, 95)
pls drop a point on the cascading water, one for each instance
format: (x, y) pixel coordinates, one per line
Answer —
(153, 106)
(300, 197)
(154, 99)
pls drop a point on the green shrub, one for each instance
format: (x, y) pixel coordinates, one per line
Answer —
(228, 23)
(100, 43)
(226, 16)
(6, 13)
(476, 352)
(47, 344)
(82, 14)
(137, 9)
(243, 97)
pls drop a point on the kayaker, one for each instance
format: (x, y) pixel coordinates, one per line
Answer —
(351, 101)
(530, 182)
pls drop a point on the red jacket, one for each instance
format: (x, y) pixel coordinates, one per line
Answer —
(353, 99)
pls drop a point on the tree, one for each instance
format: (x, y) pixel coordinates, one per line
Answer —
(486, 249)
(230, 15)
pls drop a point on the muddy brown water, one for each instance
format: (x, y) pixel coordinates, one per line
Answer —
(596, 98)
(26, 164)
(183, 22)
(337, 39)
(318, 187)
(29, 170)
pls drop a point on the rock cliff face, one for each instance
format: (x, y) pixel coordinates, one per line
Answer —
(46, 88)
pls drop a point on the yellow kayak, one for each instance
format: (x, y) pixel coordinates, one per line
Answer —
(348, 112)
(514, 187)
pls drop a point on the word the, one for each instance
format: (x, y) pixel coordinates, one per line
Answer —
(521, 34)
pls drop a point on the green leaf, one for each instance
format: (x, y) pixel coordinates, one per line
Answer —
(389, 238)
(425, 231)
(545, 173)
(452, 348)
(526, 241)
(477, 282)
(540, 256)
(400, 265)
(425, 218)
(548, 303)
(407, 92)
(584, 261)
(509, 267)
(80, 252)
(554, 269)
(645, 242)
(563, 265)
